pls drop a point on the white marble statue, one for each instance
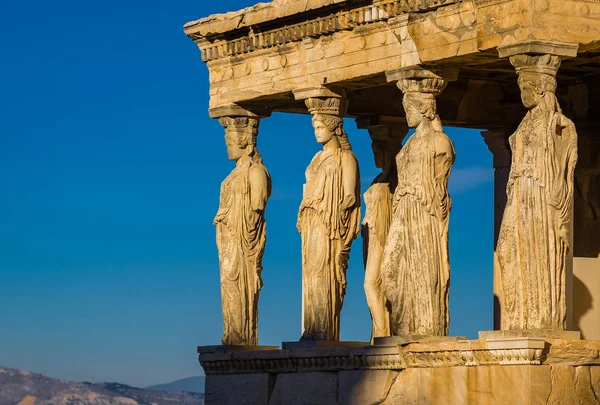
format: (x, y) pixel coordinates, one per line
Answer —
(241, 231)
(386, 142)
(535, 236)
(328, 220)
(416, 268)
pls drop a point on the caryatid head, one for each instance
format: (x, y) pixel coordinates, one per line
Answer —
(240, 136)
(537, 77)
(327, 121)
(419, 99)
(386, 144)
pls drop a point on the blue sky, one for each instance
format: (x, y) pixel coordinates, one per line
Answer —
(110, 171)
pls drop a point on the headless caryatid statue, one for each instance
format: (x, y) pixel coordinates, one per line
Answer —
(328, 221)
(386, 142)
(534, 238)
(241, 231)
(416, 268)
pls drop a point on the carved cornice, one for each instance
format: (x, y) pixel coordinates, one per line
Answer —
(217, 47)
(538, 47)
(522, 351)
(513, 351)
(423, 5)
(256, 40)
(285, 362)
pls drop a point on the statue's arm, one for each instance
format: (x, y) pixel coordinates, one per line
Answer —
(259, 189)
(349, 179)
(563, 192)
(443, 147)
(444, 158)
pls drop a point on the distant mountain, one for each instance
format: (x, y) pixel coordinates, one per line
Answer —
(19, 387)
(190, 384)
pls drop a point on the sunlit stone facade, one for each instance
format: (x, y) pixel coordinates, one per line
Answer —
(528, 73)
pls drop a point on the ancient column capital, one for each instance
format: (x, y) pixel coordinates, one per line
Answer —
(240, 126)
(318, 92)
(423, 79)
(538, 47)
(538, 59)
(236, 110)
(323, 100)
(497, 142)
(239, 120)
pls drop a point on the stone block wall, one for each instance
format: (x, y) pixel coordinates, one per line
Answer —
(499, 371)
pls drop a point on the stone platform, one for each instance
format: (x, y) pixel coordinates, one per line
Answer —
(513, 370)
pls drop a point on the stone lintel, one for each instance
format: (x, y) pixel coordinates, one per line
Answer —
(532, 333)
(318, 92)
(539, 47)
(233, 348)
(235, 110)
(448, 74)
(318, 344)
(408, 339)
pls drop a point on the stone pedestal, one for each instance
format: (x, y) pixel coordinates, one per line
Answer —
(320, 344)
(232, 348)
(533, 333)
(407, 339)
(504, 370)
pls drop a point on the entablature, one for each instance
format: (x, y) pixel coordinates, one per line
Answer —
(260, 55)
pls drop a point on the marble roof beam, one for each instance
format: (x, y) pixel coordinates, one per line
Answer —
(273, 49)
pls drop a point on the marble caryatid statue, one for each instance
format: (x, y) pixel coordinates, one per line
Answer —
(328, 221)
(241, 231)
(416, 268)
(534, 238)
(386, 143)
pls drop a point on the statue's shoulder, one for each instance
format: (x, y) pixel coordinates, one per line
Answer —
(348, 154)
(563, 121)
(258, 169)
(443, 144)
(442, 139)
(440, 136)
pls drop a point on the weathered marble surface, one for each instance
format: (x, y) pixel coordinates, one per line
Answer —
(416, 267)
(249, 389)
(526, 371)
(328, 221)
(259, 52)
(386, 143)
(535, 236)
(241, 231)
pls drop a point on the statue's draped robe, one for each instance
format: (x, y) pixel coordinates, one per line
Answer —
(376, 224)
(241, 239)
(534, 236)
(327, 232)
(416, 268)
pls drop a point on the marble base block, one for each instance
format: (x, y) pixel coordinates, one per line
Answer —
(406, 339)
(233, 348)
(238, 389)
(318, 344)
(539, 333)
(506, 370)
